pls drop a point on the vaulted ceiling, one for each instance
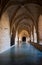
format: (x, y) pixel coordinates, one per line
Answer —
(22, 13)
(7, 3)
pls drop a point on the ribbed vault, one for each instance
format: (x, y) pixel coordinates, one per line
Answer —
(23, 27)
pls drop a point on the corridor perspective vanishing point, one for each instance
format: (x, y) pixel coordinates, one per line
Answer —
(21, 32)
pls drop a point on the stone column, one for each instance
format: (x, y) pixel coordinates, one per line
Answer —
(35, 35)
(31, 37)
(16, 38)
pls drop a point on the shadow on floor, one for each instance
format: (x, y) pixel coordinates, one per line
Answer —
(38, 46)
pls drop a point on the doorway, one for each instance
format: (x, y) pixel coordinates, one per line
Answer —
(24, 39)
(12, 40)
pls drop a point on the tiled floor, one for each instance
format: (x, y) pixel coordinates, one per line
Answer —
(25, 54)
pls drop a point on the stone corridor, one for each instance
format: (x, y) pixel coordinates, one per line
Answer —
(21, 32)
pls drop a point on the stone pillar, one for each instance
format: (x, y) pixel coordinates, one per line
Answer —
(26, 39)
(40, 29)
(31, 37)
(16, 38)
(35, 35)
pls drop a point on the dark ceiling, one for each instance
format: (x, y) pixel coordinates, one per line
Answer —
(3, 2)
(22, 2)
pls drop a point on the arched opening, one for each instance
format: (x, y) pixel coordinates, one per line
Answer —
(12, 40)
(12, 37)
(24, 36)
(24, 39)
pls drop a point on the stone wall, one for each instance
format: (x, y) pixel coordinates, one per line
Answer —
(4, 33)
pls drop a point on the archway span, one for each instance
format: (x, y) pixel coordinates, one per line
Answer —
(24, 22)
(23, 14)
(30, 15)
(24, 33)
(21, 27)
(9, 3)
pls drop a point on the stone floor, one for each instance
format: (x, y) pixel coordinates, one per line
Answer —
(26, 54)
